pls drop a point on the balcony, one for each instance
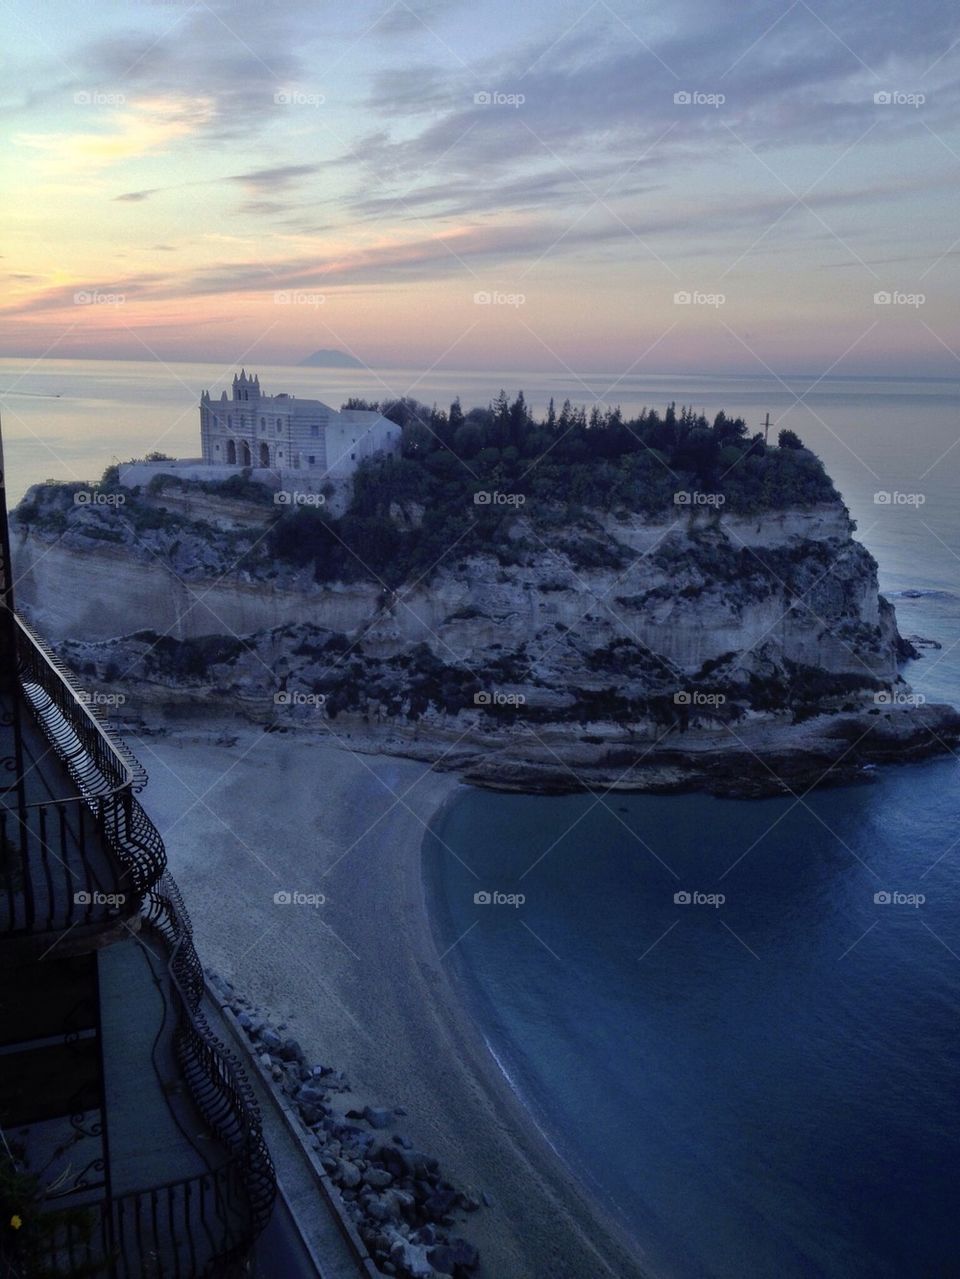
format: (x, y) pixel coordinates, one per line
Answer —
(132, 1141)
(136, 1125)
(77, 852)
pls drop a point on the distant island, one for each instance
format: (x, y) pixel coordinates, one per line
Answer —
(327, 359)
(536, 602)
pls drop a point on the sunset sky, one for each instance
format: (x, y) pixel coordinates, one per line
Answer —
(246, 182)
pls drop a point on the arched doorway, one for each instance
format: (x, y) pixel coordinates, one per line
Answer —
(264, 455)
(244, 453)
(231, 453)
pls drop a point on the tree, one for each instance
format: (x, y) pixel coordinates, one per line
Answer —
(789, 440)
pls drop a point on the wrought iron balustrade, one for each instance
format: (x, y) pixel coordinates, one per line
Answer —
(86, 858)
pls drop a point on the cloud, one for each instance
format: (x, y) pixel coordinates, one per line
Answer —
(602, 98)
(131, 131)
(267, 180)
(414, 17)
(135, 197)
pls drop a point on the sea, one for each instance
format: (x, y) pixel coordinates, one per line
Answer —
(738, 1021)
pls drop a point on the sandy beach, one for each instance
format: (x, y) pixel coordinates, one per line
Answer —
(358, 980)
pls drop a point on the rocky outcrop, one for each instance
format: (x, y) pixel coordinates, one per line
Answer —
(395, 1195)
(694, 647)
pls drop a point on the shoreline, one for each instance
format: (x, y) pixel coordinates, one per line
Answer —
(362, 985)
(765, 756)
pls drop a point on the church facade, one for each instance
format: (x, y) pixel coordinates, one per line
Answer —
(282, 432)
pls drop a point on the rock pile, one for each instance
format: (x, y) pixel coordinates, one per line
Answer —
(401, 1205)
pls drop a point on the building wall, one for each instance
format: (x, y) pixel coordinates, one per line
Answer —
(278, 433)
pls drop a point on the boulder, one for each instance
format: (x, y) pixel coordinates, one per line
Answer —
(453, 1256)
(411, 1258)
(347, 1174)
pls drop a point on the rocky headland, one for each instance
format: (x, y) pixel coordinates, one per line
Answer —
(611, 623)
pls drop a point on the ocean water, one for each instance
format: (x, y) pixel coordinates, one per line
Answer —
(765, 1085)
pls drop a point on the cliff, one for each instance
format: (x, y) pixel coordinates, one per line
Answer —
(747, 652)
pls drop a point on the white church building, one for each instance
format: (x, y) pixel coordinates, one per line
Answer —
(284, 433)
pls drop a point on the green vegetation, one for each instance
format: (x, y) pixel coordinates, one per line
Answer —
(472, 478)
(494, 481)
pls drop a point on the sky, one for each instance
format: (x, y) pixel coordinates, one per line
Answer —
(694, 185)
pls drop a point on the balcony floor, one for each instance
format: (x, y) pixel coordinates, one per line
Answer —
(155, 1132)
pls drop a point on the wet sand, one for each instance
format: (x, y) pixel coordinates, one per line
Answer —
(358, 979)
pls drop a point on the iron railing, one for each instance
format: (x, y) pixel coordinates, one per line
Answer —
(216, 1078)
(187, 1229)
(86, 858)
(193, 1228)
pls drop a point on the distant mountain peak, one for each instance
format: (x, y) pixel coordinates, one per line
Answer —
(329, 359)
